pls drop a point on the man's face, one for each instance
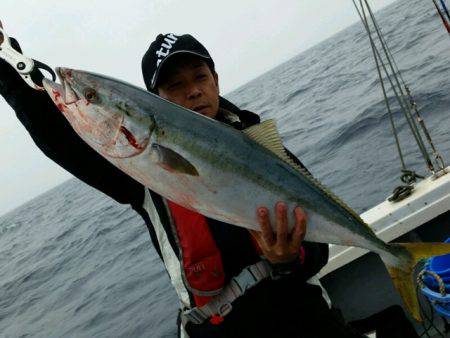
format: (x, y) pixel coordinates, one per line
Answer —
(188, 81)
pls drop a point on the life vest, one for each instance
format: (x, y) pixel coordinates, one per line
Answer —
(201, 255)
(201, 259)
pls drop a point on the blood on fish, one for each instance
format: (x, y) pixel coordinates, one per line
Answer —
(56, 94)
(130, 137)
(61, 106)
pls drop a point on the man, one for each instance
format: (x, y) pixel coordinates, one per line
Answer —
(180, 69)
(209, 263)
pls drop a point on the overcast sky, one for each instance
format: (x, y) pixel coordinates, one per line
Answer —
(245, 38)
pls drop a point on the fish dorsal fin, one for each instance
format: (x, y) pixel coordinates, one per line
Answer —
(267, 135)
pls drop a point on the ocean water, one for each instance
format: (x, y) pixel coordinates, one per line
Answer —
(76, 264)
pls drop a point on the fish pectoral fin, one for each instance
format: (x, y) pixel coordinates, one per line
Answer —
(172, 161)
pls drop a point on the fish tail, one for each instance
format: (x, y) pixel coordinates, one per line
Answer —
(401, 261)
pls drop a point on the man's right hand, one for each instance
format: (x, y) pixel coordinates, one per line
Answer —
(284, 246)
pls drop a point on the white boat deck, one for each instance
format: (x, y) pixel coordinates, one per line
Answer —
(431, 197)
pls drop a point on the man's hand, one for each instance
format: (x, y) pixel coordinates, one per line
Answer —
(285, 246)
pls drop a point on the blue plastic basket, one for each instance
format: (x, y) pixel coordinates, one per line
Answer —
(441, 266)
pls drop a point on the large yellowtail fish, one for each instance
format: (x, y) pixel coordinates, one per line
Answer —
(222, 173)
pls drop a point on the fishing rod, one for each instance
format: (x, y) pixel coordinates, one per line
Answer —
(444, 20)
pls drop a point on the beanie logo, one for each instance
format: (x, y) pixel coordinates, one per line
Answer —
(166, 46)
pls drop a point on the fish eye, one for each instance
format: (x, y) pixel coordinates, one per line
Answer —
(91, 95)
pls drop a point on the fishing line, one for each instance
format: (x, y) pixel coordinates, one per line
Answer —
(444, 21)
(412, 104)
(396, 88)
(444, 6)
(408, 112)
(383, 87)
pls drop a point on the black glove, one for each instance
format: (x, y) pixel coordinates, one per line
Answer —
(9, 78)
(33, 108)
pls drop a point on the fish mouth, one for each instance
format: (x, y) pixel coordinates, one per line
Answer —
(52, 88)
(65, 76)
(56, 92)
(63, 93)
